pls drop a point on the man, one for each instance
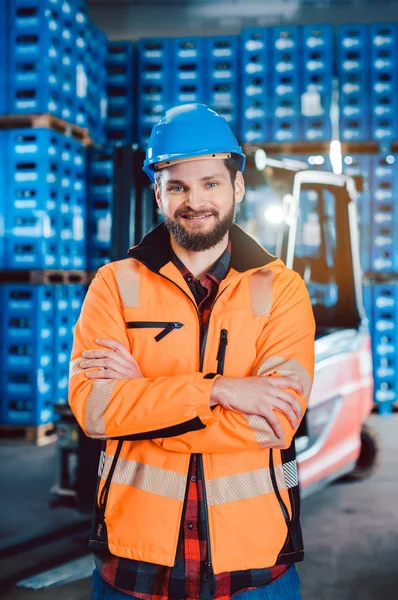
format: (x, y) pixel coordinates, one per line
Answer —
(193, 360)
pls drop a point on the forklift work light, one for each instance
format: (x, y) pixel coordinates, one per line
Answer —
(274, 214)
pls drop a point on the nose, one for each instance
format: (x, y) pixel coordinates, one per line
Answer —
(195, 198)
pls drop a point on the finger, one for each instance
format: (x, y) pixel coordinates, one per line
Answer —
(290, 399)
(273, 421)
(106, 355)
(108, 363)
(116, 346)
(286, 409)
(124, 373)
(105, 374)
(287, 382)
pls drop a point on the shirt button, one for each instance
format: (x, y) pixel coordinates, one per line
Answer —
(193, 478)
(190, 525)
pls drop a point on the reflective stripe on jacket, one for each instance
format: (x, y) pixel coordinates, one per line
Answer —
(261, 323)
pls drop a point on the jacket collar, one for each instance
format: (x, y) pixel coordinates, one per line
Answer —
(154, 250)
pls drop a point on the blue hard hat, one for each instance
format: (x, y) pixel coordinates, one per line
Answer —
(188, 131)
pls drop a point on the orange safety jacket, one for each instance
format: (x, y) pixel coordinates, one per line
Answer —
(261, 323)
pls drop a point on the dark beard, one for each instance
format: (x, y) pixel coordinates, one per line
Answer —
(198, 242)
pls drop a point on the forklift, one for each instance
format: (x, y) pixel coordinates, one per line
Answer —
(312, 217)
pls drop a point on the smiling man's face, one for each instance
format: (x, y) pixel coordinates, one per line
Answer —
(197, 200)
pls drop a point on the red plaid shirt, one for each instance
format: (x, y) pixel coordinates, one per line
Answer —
(187, 580)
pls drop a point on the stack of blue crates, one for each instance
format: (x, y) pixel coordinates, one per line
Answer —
(368, 82)
(99, 207)
(317, 44)
(40, 36)
(360, 165)
(68, 300)
(55, 63)
(91, 53)
(381, 306)
(4, 60)
(222, 77)
(37, 324)
(27, 331)
(385, 213)
(286, 84)
(188, 80)
(354, 82)
(120, 92)
(154, 84)
(255, 69)
(97, 101)
(384, 81)
(42, 200)
(183, 70)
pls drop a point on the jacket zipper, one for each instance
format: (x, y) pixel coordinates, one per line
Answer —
(220, 359)
(221, 351)
(277, 492)
(105, 492)
(167, 325)
(209, 564)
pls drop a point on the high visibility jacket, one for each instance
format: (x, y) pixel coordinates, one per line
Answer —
(261, 323)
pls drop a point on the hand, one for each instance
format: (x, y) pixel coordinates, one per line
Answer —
(115, 363)
(259, 396)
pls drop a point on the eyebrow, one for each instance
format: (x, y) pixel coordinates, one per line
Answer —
(207, 178)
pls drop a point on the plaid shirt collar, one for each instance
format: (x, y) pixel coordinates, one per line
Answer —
(217, 273)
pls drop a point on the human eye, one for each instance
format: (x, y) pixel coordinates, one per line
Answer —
(212, 184)
(176, 188)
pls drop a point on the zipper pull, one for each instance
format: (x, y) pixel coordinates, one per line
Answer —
(209, 570)
(101, 519)
(221, 351)
(223, 343)
(167, 330)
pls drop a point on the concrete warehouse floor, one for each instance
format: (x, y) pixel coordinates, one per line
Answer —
(350, 530)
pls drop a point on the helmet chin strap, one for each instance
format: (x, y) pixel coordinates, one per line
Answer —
(169, 163)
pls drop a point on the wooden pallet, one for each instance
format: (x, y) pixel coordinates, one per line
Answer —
(288, 148)
(45, 276)
(40, 435)
(46, 121)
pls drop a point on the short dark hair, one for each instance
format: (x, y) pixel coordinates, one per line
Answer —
(231, 165)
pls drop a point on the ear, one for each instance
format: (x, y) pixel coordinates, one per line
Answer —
(158, 195)
(239, 187)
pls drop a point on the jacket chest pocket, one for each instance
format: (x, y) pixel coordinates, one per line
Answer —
(165, 327)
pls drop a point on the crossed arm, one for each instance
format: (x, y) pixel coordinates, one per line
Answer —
(247, 413)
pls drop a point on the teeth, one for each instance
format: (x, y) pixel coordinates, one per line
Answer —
(202, 217)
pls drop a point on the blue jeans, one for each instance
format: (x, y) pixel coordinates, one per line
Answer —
(286, 587)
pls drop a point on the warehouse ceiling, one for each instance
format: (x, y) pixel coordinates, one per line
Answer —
(132, 19)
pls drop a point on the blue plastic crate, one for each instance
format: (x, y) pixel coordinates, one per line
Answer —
(119, 63)
(26, 354)
(385, 394)
(354, 81)
(46, 182)
(27, 397)
(4, 60)
(63, 339)
(42, 77)
(286, 129)
(119, 125)
(255, 61)
(285, 40)
(222, 47)
(188, 79)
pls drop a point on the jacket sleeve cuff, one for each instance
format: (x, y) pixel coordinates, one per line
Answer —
(204, 387)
